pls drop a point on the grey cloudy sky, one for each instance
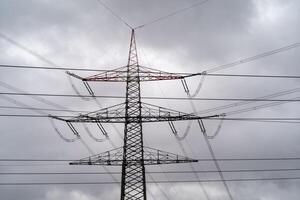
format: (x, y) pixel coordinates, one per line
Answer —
(83, 34)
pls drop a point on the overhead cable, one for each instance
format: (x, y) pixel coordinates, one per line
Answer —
(51, 68)
(24, 48)
(41, 109)
(199, 159)
(102, 70)
(156, 172)
(214, 158)
(151, 182)
(150, 97)
(258, 119)
(242, 103)
(114, 13)
(171, 14)
(252, 58)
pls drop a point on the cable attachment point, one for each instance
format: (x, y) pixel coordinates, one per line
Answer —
(74, 75)
(218, 128)
(222, 115)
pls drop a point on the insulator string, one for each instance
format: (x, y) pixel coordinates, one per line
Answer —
(76, 90)
(60, 134)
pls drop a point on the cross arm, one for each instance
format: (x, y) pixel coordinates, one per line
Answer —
(151, 157)
(145, 74)
(149, 113)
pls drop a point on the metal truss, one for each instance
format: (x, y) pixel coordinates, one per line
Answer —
(151, 157)
(120, 75)
(133, 156)
(117, 114)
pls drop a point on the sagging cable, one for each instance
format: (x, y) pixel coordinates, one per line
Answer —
(189, 125)
(91, 135)
(218, 128)
(186, 132)
(60, 134)
(175, 132)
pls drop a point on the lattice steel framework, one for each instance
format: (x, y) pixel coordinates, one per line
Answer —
(133, 156)
(133, 183)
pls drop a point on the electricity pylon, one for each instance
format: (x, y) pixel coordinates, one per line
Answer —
(133, 156)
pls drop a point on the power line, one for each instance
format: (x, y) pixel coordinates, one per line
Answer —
(272, 121)
(254, 76)
(203, 189)
(171, 14)
(252, 58)
(38, 56)
(149, 97)
(29, 116)
(41, 109)
(44, 59)
(203, 131)
(26, 49)
(100, 70)
(270, 96)
(37, 98)
(151, 182)
(217, 68)
(179, 142)
(254, 119)
(32, 165)
(199, 159)
(227, 119)
(214, 159)
(261, 120)
(51, 68)
(216, 163)
(114, 13)
(154, 172)
(258, 119)
(40, 99)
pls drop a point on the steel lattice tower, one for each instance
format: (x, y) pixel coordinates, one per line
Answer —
(133, 156)
(133, 172)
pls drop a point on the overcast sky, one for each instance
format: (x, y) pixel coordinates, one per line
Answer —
(84, 34)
